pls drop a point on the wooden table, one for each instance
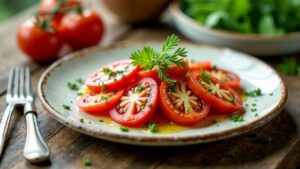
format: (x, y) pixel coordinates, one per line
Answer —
(69, 147)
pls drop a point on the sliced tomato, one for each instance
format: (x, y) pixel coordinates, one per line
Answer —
(99, 103)
(214, 92)
(228, 78)
(112, 77)
(204, 65)
(181, 105)
(138, 104)
(174, 72)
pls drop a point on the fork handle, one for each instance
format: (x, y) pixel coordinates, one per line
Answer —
(35, 149)
(4, 125)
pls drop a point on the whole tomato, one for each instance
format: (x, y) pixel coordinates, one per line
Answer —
(57, 7)
(81, 30)
(39, 44)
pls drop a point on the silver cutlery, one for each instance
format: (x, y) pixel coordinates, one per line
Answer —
(19, 92)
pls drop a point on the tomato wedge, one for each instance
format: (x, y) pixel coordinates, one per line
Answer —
(112, 77)
(181, 105)
(174, 72)
(138, 104)
(98, 103)
(206, 65)
(214, 92)
(228, 78)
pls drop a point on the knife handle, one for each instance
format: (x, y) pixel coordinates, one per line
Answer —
(4, 125)
(35, 149)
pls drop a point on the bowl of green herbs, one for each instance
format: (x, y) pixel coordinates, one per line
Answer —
(259, 27)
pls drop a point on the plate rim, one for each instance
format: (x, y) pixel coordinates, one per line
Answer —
(172, 140)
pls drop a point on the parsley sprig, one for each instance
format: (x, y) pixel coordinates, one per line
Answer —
(148, 58)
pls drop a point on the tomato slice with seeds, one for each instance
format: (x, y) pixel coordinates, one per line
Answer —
(180, 104)
(228, 78)
(138, 104)
(174, 72)
(98, 103)
(203, 65)
(112, 77)
(214, 92)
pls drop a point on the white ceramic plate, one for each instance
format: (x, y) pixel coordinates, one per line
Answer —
(53, 93)
(249, 43)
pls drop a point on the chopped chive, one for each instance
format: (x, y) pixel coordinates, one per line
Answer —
(253, 109)
(255, 115)
(231, 100)
(236, 118)
(67, 107)
(152, 127)
(105, 98)
(101, 120)
(86, 162)
(81, 120)
(150, 105)
(246, 104)
(254, 93)
(73, 86)
(124, 129)
(103, 87)
(79, 80)
(253, 104)
(271, 94)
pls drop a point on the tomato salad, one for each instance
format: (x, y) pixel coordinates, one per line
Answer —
(132, 91)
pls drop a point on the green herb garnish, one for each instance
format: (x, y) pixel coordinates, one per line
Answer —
(67, 107)
(148, 58)
(254, 93)
(150, 105)
(152, 127)
(81, 120)
(236, 118)
(86, 162)
(103, 87)
(105, 98)
(73, 86)
(253, 109)
(124, 129)
(206, 76)
(231, 100)
(80, 81)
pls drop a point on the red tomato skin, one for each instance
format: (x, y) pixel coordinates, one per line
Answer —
(213, 101)
(120, 84)
(175, 115)
(47, 6)
(139, 119)
(81, 30)
(101, 108)
(203, 65)
(40, 45)
(235, 82)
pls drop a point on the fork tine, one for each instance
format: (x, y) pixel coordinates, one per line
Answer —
(21, 86)
(28, 86)
(10, 82)
(16, 82)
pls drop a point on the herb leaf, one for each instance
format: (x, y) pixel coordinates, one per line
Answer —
(254, 93)
(152, 127)
(149, 59)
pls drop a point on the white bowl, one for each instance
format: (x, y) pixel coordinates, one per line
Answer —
(249, 43)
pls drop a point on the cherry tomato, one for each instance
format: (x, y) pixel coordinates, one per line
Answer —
(175, 72)
(138, 104)
(214, 92)
(98, 103)
(228, 78)
(206, 65)
(50, 6)
(81, 30)
(112, 77)
(39, 44)
(181, 105)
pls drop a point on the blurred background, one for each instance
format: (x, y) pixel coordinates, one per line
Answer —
(11, 7)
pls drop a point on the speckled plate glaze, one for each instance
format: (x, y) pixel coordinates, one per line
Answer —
(53, 93)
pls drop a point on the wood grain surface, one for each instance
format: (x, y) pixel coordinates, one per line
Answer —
(69, 147)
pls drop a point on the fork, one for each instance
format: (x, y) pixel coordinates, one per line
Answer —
(19, 92)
